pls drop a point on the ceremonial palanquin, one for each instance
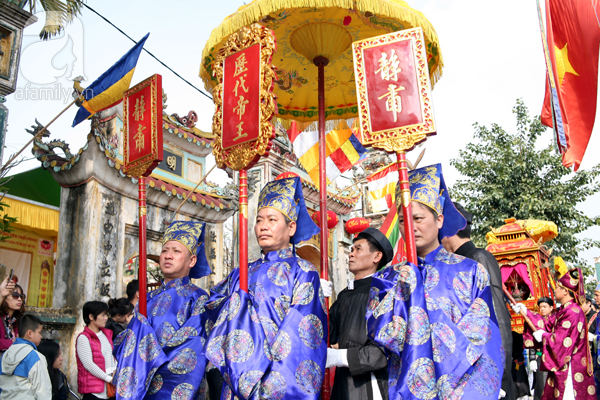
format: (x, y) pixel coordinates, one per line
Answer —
(523, 259)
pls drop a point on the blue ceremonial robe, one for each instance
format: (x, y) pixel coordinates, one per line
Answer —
(161, 357)
(269, 343)
(438, 325)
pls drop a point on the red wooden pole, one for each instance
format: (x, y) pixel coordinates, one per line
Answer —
(321, 62)
(142, 252)
(243, 249)
(409, 230)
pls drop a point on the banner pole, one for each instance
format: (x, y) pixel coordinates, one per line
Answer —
(243, 246)
(409, 232)
(142, 251)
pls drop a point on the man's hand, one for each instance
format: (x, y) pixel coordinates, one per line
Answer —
(538, 335)
(533, 366)
(6, 287)
(326, 286)
(336, 358)
(502, 394)
(518, 307)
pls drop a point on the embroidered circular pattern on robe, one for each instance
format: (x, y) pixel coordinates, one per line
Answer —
(566, 324)
(421, 379)
(234, 306)
(127, 382)
(322, 300)
(181, 336)
(208, 326)
(226, 395)
(201, 393)
(164, 333)
(448, 258)
(443, 340)
(310, 330)
(121, 336)
(472, 354)
(214, 304)
(556, 392)
(386, 305)
(476, 328)
(227, 379)
(129, 343)
(183, 391)
(418, 329)
(432, 279)
(247, 382)
(149, 348)
(281, 347)
(591, 389)
(215, 351)
(253, 314)
(199, 305)
(303, 294)
(308, 377)
(407, 283)
(450, 387)
(550, 381)
(274, 387)
(567, 342)
(282, 305)
(257, 290)
(395, 366)
(186, 290)
(149, 377)
(373, 299)
(306, 266)
(540, 324)
(222, 315)
(463, 286)
(578, 377)
(184, 311)
(485, 377)
(529, 343)
(161, 305)
(483, 277)
(239, 346)
(185, 361)
(449, 308)
(270, 328)
(579, 326)
(480, 308)
(142, 319)
(393, 334)
(279, 272)
(155, 384)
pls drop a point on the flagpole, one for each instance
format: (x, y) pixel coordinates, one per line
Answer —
(409, 232)
(38, 134)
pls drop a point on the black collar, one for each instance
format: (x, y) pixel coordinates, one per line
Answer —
(465, 249)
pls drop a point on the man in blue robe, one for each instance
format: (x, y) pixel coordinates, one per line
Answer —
(271, 343)
(160, 357)
(436, 319)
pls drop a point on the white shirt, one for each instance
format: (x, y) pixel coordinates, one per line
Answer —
(84, 352)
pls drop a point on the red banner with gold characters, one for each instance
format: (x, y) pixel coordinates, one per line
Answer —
(244, 99)
(393, 87)
(142, 128)
(241, 97)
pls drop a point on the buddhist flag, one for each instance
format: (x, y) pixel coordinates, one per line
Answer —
(573, 38)
(343, 151)
(382, 187)
(391, 230)
(108, 89)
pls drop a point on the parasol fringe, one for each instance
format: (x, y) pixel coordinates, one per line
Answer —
(258, 9)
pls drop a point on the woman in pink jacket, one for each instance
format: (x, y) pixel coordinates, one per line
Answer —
(12, 308)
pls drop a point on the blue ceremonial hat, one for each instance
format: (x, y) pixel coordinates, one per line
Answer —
(427, 187)
(285, 196)
(191, 235)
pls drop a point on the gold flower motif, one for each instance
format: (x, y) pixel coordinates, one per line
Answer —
(556, 393)
(568, 359)
(579, 326)
(540, 324)
(550, 382)
(591, 389)
(579, 377)
(584, 361)
(566, 324)
(529, 343)
(567, 342)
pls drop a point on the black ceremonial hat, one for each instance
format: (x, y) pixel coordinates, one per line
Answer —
(376, 237)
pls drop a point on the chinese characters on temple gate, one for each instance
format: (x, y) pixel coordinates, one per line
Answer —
(107, 236)
(393, 88)
(142, 128)
(241, 97)
(172, 162)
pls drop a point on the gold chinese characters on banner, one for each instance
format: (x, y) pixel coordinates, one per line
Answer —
(244, 99)
(394, 91)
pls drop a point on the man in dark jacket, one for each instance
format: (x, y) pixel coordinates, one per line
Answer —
(461, 244)
(361, 372)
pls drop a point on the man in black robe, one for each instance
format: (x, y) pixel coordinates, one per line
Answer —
(462, 245)
(361, 365)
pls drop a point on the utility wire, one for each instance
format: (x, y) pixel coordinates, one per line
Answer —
(152, 55)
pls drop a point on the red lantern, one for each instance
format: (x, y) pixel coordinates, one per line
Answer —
(332, 219)
(288, 174)
(356, 225)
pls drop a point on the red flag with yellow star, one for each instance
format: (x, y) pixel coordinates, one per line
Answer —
(573, 38)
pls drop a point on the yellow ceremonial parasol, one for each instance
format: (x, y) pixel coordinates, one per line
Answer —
(311, 28)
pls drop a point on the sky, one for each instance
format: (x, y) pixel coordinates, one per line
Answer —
(492, 53)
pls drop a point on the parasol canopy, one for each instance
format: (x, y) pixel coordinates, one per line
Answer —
(310, 28)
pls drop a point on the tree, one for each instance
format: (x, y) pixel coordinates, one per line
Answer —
(58, 13)
(507, 175)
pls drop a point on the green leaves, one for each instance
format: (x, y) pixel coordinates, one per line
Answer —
(507, 175)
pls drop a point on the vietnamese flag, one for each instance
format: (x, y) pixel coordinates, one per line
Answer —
(573, 34)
